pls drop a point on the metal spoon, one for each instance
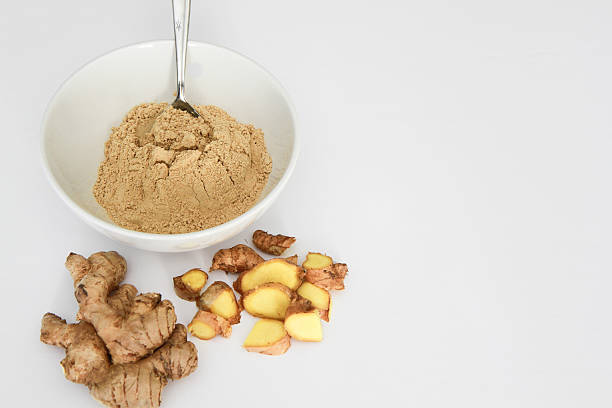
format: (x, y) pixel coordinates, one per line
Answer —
(180, 11)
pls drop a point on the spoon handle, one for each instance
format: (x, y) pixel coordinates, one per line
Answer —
(180, 12)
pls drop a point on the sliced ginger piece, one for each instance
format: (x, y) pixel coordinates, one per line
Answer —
(219, 298)
(206, 325)
(303, 321)
(315, 260)
(236, 259)
(268, 337)
(269, 300)
(274, 270)
(188, 285)
(323, 272)
(272, 244)
(319, 297)
(202, 330)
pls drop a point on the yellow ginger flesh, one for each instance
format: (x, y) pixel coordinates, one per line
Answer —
(274, 270)
(195, 279)
(318, 296)
(225, 305)
(315, 260)
(265, 332)
(267, 302)
(304, 326)
(202, 330)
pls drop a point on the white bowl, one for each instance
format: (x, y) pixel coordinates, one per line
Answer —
(80, 115)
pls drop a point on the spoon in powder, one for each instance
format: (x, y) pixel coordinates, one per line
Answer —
(180, 11)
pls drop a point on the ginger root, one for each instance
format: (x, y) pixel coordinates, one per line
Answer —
(269, 300)
(315, 260)
(86, 359)
(188, 285)
(131, 326)
(236, 259)
(303, 321)
(136, 384)
(206, 325)
(268, 337)
(319, 297)
(323, 272)
(139, 384)
(219, 298)
(126, 346)
(272, 244)
(274, 270)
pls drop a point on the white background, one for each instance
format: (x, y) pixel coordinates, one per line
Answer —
(456, 154)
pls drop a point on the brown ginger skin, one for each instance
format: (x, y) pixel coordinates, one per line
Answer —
(236, 259)
(139, 384)
(122, 298)
(136, 384)
(131, 326)
(328, 278)
(272, 244)
(300, 305)
(86, 360)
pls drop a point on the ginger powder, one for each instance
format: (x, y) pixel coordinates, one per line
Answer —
(166, 172)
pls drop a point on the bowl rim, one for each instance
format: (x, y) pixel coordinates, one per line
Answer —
(100, 223)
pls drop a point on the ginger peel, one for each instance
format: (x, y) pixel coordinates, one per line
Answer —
(272, 244)
(236, 259)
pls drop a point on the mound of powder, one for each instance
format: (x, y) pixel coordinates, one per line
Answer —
(165, 171)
